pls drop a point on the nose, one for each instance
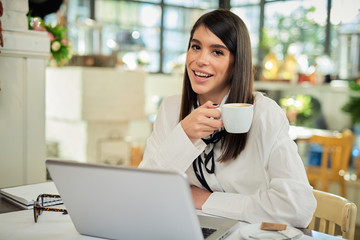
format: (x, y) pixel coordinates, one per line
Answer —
(203, 58)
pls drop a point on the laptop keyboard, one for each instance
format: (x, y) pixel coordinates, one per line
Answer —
(207, 231)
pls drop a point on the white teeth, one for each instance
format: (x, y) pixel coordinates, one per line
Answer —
(200, 74)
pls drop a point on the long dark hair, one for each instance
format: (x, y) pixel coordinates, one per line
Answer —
(233, 33)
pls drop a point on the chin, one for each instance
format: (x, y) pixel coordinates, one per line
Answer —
(199, 90)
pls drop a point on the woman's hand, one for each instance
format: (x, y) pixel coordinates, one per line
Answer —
(202, 121)
(199, 196)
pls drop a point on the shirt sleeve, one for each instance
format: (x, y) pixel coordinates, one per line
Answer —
(287, 198)
(168, 147)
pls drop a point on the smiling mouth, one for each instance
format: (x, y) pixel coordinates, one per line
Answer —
(202, 75)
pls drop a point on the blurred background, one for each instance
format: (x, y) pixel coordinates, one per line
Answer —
(306, 56)
(322, 32)
(83, 79)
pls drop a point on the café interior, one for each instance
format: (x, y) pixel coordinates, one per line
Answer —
(83, 80)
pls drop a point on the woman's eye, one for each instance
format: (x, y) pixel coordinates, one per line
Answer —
(218, 53)
(195, 47)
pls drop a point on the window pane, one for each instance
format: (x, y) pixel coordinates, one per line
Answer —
(174, 62)
(150, 15)
(115, 38)
(345, 38)
(295, 26)
(203, 4)
(180, 18)
(154, 62)
(78, 10)
(173, 18)
(251, 15)
(152, 1)
(151, 38)
(175, 41)
(110, 42)
(131, 30)
(106, 11)
(243, 2)
(128, 13)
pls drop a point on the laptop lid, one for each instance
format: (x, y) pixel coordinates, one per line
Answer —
(126, 203)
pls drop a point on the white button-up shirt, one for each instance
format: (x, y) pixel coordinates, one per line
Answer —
(266, 182)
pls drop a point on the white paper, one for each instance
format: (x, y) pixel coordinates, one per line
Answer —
(25, 195)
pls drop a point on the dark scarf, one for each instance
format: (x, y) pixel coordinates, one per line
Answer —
(207, 159)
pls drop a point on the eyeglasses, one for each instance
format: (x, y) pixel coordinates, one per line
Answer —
(39, 206)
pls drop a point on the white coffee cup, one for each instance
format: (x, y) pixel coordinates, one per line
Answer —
(237, 117)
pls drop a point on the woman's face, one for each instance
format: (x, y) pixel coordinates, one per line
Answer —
(209, 65)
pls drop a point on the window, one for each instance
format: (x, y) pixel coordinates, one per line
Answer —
(145, 33)
(345, 37)
(177, 27)
(131, 30)
(155, 33)
(302, 27)
(250, 14)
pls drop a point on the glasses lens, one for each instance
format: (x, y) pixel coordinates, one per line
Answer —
(38, 198)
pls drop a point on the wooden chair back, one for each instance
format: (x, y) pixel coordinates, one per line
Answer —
(336, 152)
(349, 139)
(333, 210)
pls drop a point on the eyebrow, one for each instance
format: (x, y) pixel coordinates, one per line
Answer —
(213, 45)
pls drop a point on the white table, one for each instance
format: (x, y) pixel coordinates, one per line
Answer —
(304, 133)
(20, 225)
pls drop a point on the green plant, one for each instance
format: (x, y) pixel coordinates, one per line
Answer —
(298, 28)
(352, 106)
(268, 41)
(59, 44)
(301, 106)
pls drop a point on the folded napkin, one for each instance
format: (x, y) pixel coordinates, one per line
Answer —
(291, 232)
(253, 231)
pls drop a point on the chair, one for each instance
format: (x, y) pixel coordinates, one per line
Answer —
(333, 210)
(336, 151)
(357, 166)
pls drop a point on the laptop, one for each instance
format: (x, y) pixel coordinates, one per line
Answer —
(116, 202)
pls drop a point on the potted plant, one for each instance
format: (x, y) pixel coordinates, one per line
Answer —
(299, 110)
(60, 46)
(352, 106)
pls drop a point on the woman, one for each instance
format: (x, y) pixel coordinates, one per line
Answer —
(255, 176)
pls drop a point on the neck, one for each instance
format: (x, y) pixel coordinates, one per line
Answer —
(218, 98)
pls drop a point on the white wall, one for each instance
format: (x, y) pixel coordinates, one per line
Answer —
(22, 98)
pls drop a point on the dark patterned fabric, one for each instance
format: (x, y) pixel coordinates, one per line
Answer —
(206, 159)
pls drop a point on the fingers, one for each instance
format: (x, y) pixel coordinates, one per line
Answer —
(212, 120)
(197, 127)
(209, 108)
(207, 118)
(202, 122)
